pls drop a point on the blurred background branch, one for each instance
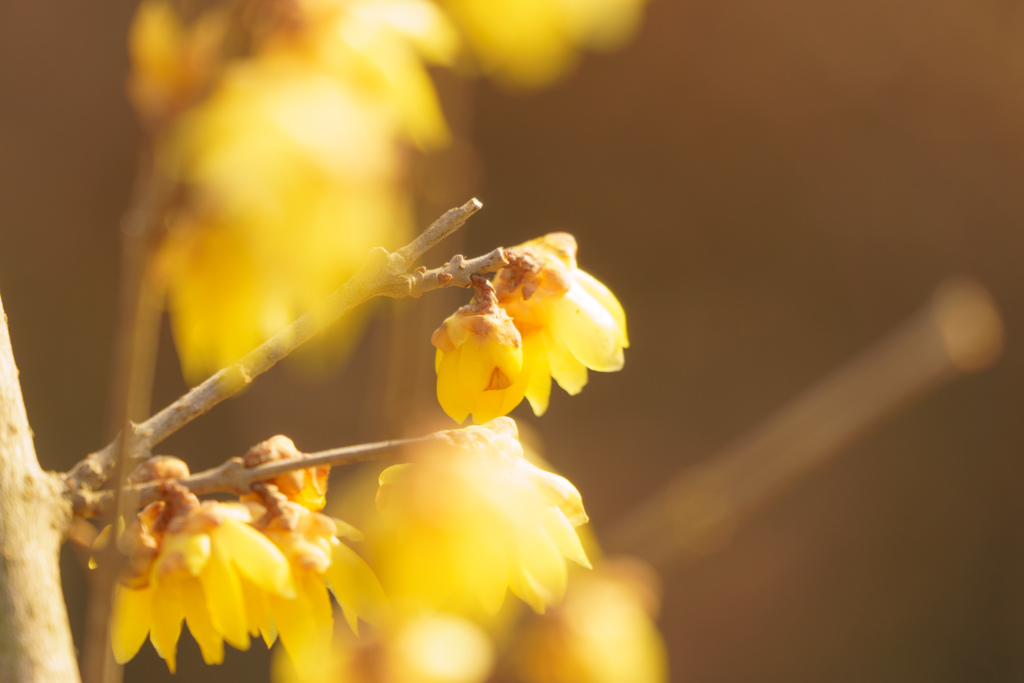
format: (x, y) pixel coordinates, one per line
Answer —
(958, 332)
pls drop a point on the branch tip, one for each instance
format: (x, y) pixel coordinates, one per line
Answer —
(380, 275)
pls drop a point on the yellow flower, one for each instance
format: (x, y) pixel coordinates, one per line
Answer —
(604, 632)
(199, 558)
(421, 648)
(459, 527)
(319, 562)
(171, 64)
(293, 177)
(533, 42)
(294, 169)
(479, 360)
(383, 47)
(569, 321)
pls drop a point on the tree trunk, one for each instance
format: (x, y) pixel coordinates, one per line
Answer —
(35, 638)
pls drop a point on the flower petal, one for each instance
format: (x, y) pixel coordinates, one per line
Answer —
(256, 556)
(305, 623)
(224, 599)
(588, 329)
(130, 621)
(535, 362)
(569, 372)
(186, 552)
(604, 296)
(541, 565)
(490, 571)
(354, 586)
(197, 616)
(493, 404)
(450, 394)
(257, 611)
(564, 536)
(167, 614)
(561, 493)
(487, 365)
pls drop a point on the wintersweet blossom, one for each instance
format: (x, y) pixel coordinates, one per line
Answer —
(187, 561)
(460, 526)
(171, 62)
(293, 177)
(292, 168)
(479, 360)
(569, 321)
(425, 647)
(319, 563)
(604, 632)
(533, 42)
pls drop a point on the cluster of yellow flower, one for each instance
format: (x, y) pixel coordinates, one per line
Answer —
(287, 127)
(453, 533)
(456, 529)
(458, 526)
(232, 570)
(543, 318)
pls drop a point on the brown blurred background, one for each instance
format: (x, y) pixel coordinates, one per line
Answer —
(768, 186)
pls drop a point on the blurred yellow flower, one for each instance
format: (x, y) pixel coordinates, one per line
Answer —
(459, 526)
(479, 360)
(171, 63)
(569, 321)
(440, 648)
(291, 159)
(383, 47)
(533, 42)
(294, 177)
(293, 168)
(198, 558)
(319, 563)
(422, 648)
(604, 632)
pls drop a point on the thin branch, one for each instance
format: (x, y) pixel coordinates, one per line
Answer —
(958, 332)
(382, 274)
(134, 364)
(452, 220)
(234, 477)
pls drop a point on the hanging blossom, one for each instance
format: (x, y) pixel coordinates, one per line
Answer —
(479, 360)
(231, 571)
(569, 321)
(186, 562)
(542, 318)
(459, 527)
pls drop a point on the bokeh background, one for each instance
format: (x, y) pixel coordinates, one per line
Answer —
(769, 187)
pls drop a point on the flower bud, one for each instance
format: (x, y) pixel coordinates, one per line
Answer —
(306, 487)
(479, 360)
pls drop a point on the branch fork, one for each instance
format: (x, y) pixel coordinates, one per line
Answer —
(382, 274)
